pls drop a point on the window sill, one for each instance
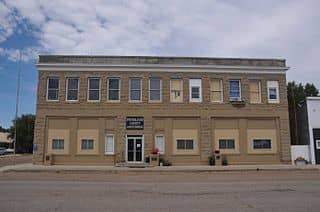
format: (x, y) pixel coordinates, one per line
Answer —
(113, 101)
(93, 101)
(133, 101)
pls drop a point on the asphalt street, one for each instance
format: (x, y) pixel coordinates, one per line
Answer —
(226, 191)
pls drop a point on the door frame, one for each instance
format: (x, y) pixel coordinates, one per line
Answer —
(142, 150)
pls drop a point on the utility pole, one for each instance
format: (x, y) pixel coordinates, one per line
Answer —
(17, 104)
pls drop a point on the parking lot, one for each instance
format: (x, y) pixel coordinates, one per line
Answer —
(219, 191)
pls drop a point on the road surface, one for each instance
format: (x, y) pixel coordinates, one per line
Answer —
(226, 191)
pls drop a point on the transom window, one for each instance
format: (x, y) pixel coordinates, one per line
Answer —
(155, 89)
(234, 90)
(94, 89)
(261, 143)
(195, 90)
(216, 90)
(176, 90)
(87, 144)
(72, 89)
(255, 91)
(57, 144)
(185, 144)
(114, 89)
(226, 144)
(53, 89)
(135, 89)
(273, 91)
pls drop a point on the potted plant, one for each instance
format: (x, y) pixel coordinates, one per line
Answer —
(300, 161)
(212, 160)
(154, 151)
(224, 161)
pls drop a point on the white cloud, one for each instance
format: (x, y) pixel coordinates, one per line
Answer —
(285, 29)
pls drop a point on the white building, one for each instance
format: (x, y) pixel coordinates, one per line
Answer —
(313, 110)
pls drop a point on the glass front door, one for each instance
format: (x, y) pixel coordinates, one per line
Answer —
(134, 148)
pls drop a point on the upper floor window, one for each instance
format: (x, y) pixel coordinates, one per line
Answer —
(114, 89)
(195, 90)
(94, 89)
(53, 89)
(234, 90)
(273, 91)
(155, 89)
(176, 90)
(135, 90)
(216, 90)
(72, 89)
(255, 91)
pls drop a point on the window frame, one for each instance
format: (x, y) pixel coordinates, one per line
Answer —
(194, 82)
(88, 89)
(164, 143)
(261, 139)
(135, 101)
(221, 90)
(160, 89)
(67, 89)
(47, 93)
(119, 89)
(86, 139)
(105, 144)
(277, 100)
(181, 91)
(185, 144)
(227, 140)
(259, 87)
(240, 95)
(59, 140)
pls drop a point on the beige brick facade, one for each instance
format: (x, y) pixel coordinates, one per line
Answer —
(162, 118)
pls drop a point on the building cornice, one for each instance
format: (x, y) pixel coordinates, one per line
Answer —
(160, 68)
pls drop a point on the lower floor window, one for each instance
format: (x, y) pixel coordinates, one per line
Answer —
(226, 144)
(261, 144)
(185, 144)
(159, 143)
(86, 144)
(57, 144)
(109, 144)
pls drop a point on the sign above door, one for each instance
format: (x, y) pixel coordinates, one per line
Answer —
(135, 123)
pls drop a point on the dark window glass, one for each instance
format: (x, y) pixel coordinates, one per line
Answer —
(189, 144)
(155, 89)
(261, 143)
(135, 84)
(226, 144)
(180, 144)
(87, 144)
(195, 92)
(57, 144)
(53, 89)
(272, 93)
(114, 89)
(234, 88)
(183, 144)
(72, 90)
(94, 89)
(135, 89)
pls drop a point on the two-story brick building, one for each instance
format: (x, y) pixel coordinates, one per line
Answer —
(104, 110)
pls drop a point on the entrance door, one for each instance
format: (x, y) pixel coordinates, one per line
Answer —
(134, 148)
(316, 138)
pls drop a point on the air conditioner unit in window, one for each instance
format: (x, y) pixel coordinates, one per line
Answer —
(235, 99)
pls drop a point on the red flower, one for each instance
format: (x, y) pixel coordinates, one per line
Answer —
(155, 150)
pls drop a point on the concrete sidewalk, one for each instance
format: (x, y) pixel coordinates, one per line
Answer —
(161, 169)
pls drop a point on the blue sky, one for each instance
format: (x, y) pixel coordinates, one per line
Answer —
(286, 29)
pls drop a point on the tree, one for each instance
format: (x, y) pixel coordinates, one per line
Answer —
(25, 128)
(297, 94)
(3, 129)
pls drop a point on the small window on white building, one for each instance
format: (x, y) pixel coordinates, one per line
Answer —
(273, 91)
(109, 145)
(94, 89)
(154, 90)
(72, 89)
(159, 143)
(53, 89)
(195, 90)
